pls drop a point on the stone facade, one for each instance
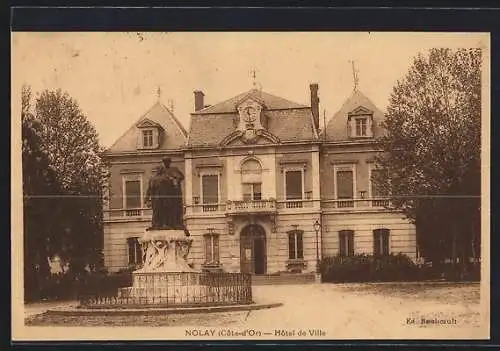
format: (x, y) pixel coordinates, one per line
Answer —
(258, 174)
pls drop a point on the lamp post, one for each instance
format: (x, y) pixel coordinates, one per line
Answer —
(317, 227)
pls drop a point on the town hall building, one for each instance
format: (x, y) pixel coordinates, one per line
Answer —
(265, 190)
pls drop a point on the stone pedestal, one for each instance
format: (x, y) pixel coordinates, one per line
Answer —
(165, 273)
(165, 251)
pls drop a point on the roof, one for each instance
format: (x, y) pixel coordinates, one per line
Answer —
(175, 134)
(271, 102)
(288, 121)
(336, 128)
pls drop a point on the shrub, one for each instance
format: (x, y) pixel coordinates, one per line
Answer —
(364, 268)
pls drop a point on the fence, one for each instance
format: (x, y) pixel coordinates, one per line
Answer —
(183, 289)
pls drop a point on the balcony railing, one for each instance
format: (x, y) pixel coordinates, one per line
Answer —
(257, 206)
(349, 204)
(251, 206)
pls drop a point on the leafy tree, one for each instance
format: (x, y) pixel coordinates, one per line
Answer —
(40, 206)
(70, 144)
(432, 151)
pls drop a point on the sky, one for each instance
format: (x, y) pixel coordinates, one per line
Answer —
(115, 76)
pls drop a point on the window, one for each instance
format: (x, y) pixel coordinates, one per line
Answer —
(293, 188)
(378, 191)
(134, 251)
(346, 243)
(211, 248)
(251, 179)
(147, 138)
(361, 126)
(132, 195)
(210, 192)
(295, 245)
(381, 242)
(252, 191)
(345, 187)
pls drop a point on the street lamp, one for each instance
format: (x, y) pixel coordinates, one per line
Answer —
(317, 227)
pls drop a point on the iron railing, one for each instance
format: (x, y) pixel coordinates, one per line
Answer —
(176, 289)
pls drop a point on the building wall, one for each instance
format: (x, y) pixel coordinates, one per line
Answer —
(402, 237)
(135, 164)
(361, 157)
(115, 240)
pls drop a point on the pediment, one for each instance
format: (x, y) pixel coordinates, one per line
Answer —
(249, 99)
(260, 137)
(147, 123)
(361, 110)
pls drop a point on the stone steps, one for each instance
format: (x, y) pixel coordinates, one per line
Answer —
(283, 279)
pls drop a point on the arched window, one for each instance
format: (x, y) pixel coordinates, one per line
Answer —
(251, 179)
(295, 244)
(381, 242)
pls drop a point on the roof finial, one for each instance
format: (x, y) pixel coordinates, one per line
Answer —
(355, 76)
(253, 72)
(158, 92)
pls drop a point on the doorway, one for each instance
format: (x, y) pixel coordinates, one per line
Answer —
(253, 249)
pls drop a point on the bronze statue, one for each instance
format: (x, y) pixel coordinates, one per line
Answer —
(164, 195)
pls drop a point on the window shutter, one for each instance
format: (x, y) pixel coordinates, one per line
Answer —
(376, 242)
(132, 194)
(300, 246)
(156, 138)
(215, 239)
(345, 185)
(210, 189)
(208, 249)
(342, 243)
(139, 139)
(138, 251)
(350, 243)
(369, 127)
(385, 238)
(247, 191)
(293, 185)
(131, 250)
(291, 246)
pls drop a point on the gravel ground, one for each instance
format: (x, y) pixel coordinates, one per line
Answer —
(332, 311)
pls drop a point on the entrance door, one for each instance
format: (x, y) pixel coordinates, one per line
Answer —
(253, 249)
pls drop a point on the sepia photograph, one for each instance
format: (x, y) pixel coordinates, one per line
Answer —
(250, 185)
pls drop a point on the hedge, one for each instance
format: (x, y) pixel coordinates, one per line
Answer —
(394, 267)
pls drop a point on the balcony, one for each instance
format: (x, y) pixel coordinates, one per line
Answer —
(251, 207)
(352, 204)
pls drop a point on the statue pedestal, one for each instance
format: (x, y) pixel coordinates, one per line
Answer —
(165, 250)
(165, 275)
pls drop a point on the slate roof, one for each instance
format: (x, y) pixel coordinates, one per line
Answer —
(287, 120)
(270, 101)
(175, 135)
(336, 128)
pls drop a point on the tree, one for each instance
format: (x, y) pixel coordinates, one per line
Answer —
(71, 144)
(432, 151)
(40, 206)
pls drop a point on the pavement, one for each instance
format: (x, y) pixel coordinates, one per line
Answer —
(347, 311)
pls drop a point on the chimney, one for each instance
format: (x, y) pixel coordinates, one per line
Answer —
(315, 104)
(198, 100)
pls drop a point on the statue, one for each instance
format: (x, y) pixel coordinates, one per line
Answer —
(164, 196)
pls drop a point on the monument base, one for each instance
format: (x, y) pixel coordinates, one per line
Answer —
(163, 276)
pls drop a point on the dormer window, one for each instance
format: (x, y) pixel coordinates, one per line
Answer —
(149, 134)
(360, 122)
